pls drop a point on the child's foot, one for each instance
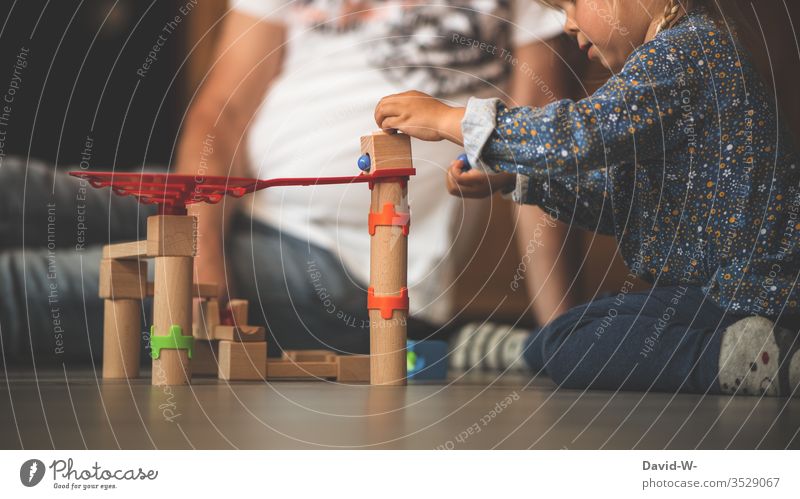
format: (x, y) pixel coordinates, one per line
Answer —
(758, 358)
(488, 346)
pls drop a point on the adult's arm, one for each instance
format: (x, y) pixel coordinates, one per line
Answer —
(248, 57)
(539, 78)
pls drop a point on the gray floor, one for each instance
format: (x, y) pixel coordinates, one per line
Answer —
(51, 412)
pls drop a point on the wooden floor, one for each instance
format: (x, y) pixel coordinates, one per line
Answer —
(476, 411)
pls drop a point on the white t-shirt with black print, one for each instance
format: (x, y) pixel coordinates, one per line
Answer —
(341, 58)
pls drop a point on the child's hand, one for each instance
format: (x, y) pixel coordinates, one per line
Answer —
(475, 183)
(420, 115)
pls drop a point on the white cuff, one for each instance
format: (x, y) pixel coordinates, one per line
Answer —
(520, 193)
(480, 119)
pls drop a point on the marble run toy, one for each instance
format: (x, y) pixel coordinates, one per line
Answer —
(179, 333)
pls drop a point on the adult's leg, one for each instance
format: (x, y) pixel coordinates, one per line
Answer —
(42, 312)
(301, 292)
(666, 339)
(52, 227)
(40, 206)
(543, 243)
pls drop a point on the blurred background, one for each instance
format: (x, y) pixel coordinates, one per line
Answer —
(81, 81)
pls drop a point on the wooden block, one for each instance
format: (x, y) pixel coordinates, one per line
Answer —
(205, 290)
(280, 369)
(198, 290)
(242, 361)
(121, 334)
(205, 318)
(352, 368)
(239, 333)
(171, 235)
(135, 250)
(387, 150)
(388, 263)
(172, 306)
(123, 279)
(309, 355)
(238, 310)
(205, 357)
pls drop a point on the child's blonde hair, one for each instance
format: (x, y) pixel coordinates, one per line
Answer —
(672, 12)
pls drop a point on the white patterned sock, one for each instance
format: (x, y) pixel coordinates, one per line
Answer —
(488, 346)
(512, 350)
(794, 374)
(459, 346)
(757, 358)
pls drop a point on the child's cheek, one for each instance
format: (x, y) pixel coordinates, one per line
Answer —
(591, 21)
(607, 33)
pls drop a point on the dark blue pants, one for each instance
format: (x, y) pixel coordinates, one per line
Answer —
(666, 339)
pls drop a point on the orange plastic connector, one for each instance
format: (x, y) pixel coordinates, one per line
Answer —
(387, 304)
(389, 217)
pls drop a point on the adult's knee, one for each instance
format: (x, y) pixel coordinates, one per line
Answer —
(13, 169)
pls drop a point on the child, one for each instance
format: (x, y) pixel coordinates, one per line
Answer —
(681, 157)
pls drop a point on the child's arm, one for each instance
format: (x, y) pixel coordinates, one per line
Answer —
(420, 115)
(465, 182)
(426, 118)
(631, 118)
(581, 200)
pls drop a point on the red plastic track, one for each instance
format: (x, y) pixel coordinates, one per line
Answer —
(389, 217)
(173, 192)
(387, 304)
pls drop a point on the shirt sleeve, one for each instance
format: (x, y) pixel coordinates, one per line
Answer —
(533, 22)
(581, 199)
(273, 10)
(558, 149)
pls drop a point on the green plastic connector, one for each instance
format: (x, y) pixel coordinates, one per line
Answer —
(411, 360)
(175, 340)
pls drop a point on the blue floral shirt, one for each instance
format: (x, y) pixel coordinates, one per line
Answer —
(679, 156)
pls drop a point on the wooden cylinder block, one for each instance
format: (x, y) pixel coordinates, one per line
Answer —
(172, 305)
(388, 258)
(121, 333)
(388, 271)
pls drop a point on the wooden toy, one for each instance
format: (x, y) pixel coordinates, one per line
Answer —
(123, 279)
(389, 221)
(123, 283)
(204, 290)
(122, 287)
(205, 358)
(241, 349)
(239, 333)
(171, 243)
(237, 312)
(205, 318)
(231, 362)
(320, 364)
(282, 369)
(121, 324)
(303, 364)
(136, 250)
(309, 355)
(240, 361)
(352, 368)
